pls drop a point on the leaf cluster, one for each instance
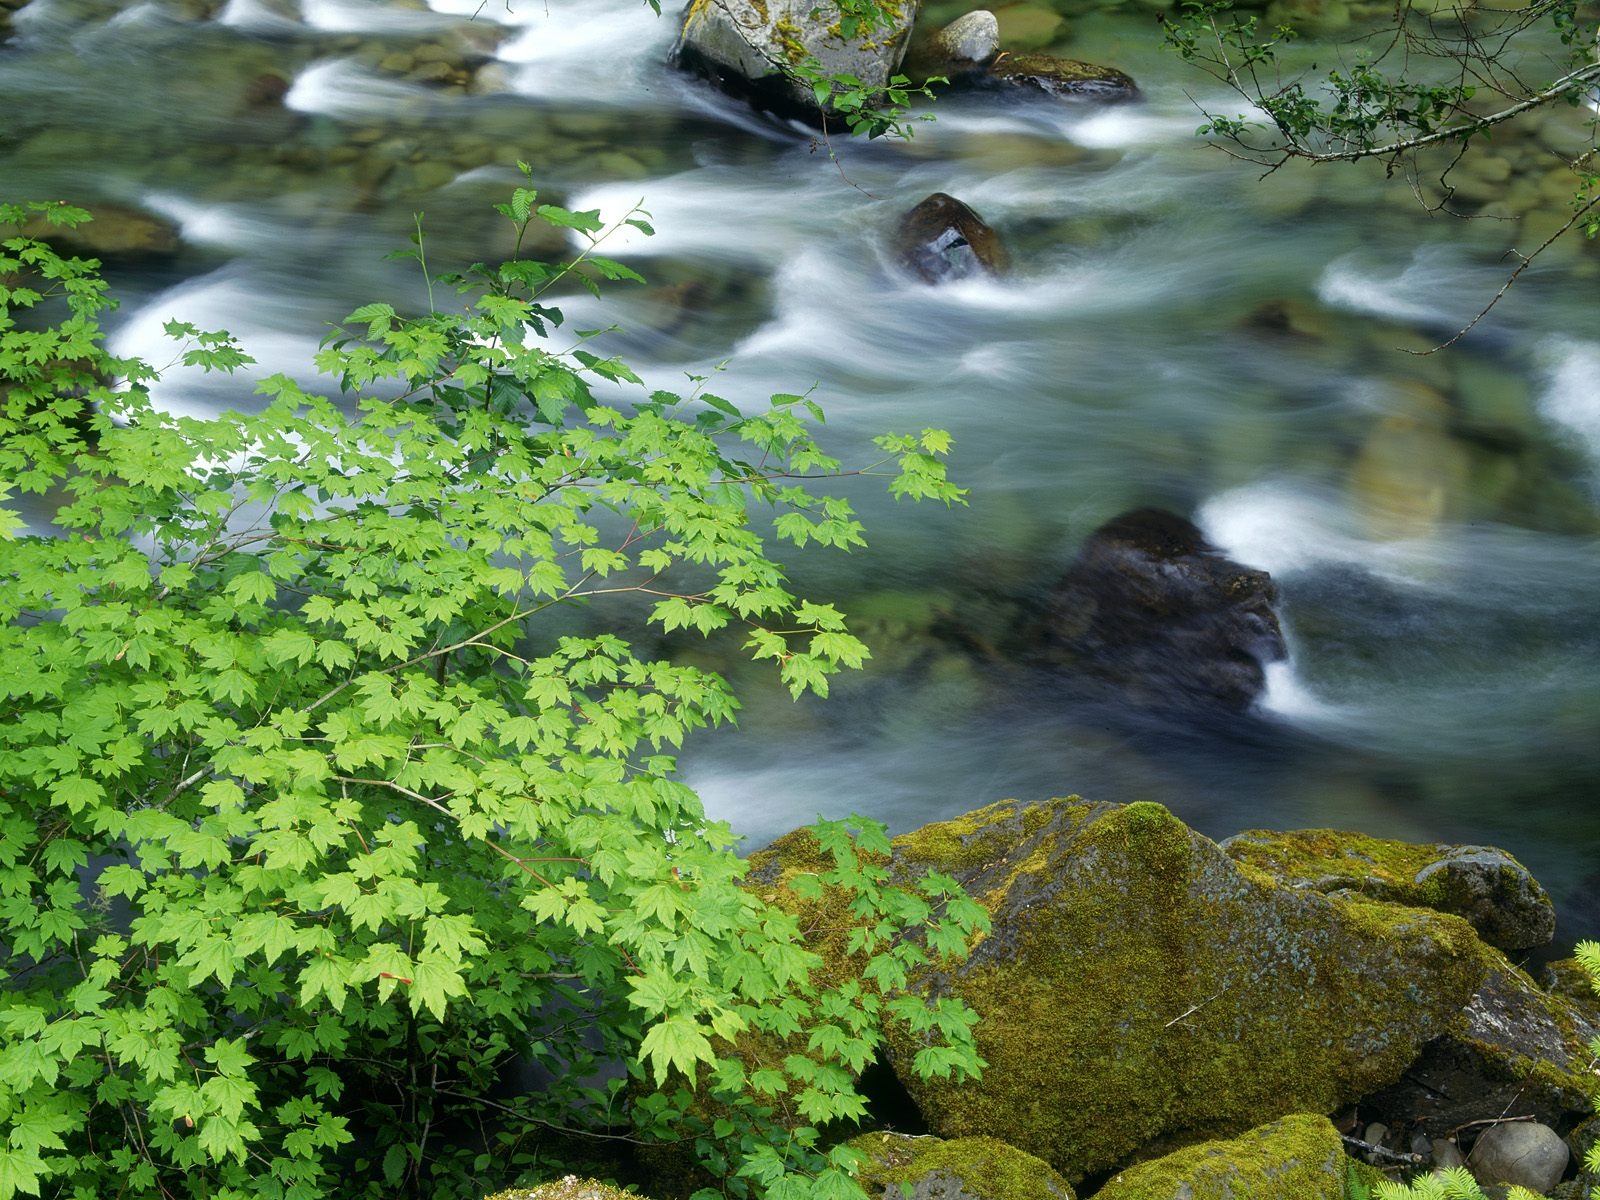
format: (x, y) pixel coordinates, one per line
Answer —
(312, 820)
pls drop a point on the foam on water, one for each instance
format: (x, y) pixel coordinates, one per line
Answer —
(342, 87)
(364, 16)
(233, 298)
(1571, 392)
(613, 54)
(255, 16)
(1426, 291)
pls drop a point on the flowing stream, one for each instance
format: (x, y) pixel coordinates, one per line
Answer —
(1176, 332)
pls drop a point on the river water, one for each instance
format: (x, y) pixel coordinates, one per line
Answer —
(1176, 333)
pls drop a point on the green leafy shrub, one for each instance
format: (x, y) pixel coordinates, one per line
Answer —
(310, 821)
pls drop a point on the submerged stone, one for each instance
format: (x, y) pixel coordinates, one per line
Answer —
(943, 239)
(1486, 886)
(1152, 607)
(904, 1167)
(1139, 984)
(1299, 1157)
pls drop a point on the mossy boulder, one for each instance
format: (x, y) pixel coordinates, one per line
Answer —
(1062, 78)
(1140, 984)
(976, 1168)
(748, 48)
(1299, 1157)
(1485, 886)
(1513, 1049)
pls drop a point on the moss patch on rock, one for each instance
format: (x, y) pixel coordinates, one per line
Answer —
(977, 1168)
(569, 1188)
(1138, 984)
(1484, 885)
(1299, 1157)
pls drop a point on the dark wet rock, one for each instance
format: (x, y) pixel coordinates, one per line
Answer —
(1299, 1157)
(942, 239)
(1513, 1049)
(1150, 606)
(1485, 886)
(266, 91)
(1138, 984)
(1519, 1152)
(1064, 78)
(903, 1167)
(744, 46)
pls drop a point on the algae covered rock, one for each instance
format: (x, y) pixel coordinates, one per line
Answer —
(1299, 1157)
(1485, 886)
(976, 1168)
(1139, 984)
(1513, 1049)
(748, 48)
(1063, 78)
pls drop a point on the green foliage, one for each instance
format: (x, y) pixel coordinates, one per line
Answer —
(1438, 78)
(310, 820)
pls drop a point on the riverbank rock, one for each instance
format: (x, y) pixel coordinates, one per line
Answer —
(1138, 984)
(943, 239)
(1519, 1152)
(1488, 888)
(1153, 608)
(1063, 78)
(747, 48)
(905, 1167)
(116, 232)
(1512, 1050)
(569, 1188)
(959, 51)
(1299, 1157)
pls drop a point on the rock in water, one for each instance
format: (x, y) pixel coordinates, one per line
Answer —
(1138, 984)
(1064, 78)
(1152, 607)
(942, 238)
(1519, 1152)
(968, 43)
(749, 47)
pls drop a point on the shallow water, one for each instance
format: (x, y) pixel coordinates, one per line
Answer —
(1177, 333)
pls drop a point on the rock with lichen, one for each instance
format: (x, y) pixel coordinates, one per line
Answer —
(1138, 984)
(751, 48)
(901, 1166)
(1062, 78)
(569, 1188)
(1513, 1048)
(1490, 889)
(1299, 1157)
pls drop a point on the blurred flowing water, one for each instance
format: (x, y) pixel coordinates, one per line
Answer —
(1176, 333)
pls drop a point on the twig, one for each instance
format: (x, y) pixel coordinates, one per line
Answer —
(1190, 1011)
(1381, 1151)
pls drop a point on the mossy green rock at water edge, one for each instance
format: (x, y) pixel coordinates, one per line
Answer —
(903, 1167)
(1487, 887)
(1299, 1157)
(1139, 984)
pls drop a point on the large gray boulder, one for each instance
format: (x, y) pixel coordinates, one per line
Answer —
(1140, 985)
(751, 47)
(1524, 1153)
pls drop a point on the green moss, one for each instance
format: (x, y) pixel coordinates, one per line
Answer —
(1297, 1158)
(984, 1167)
(790, 38)
(1137, 984)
